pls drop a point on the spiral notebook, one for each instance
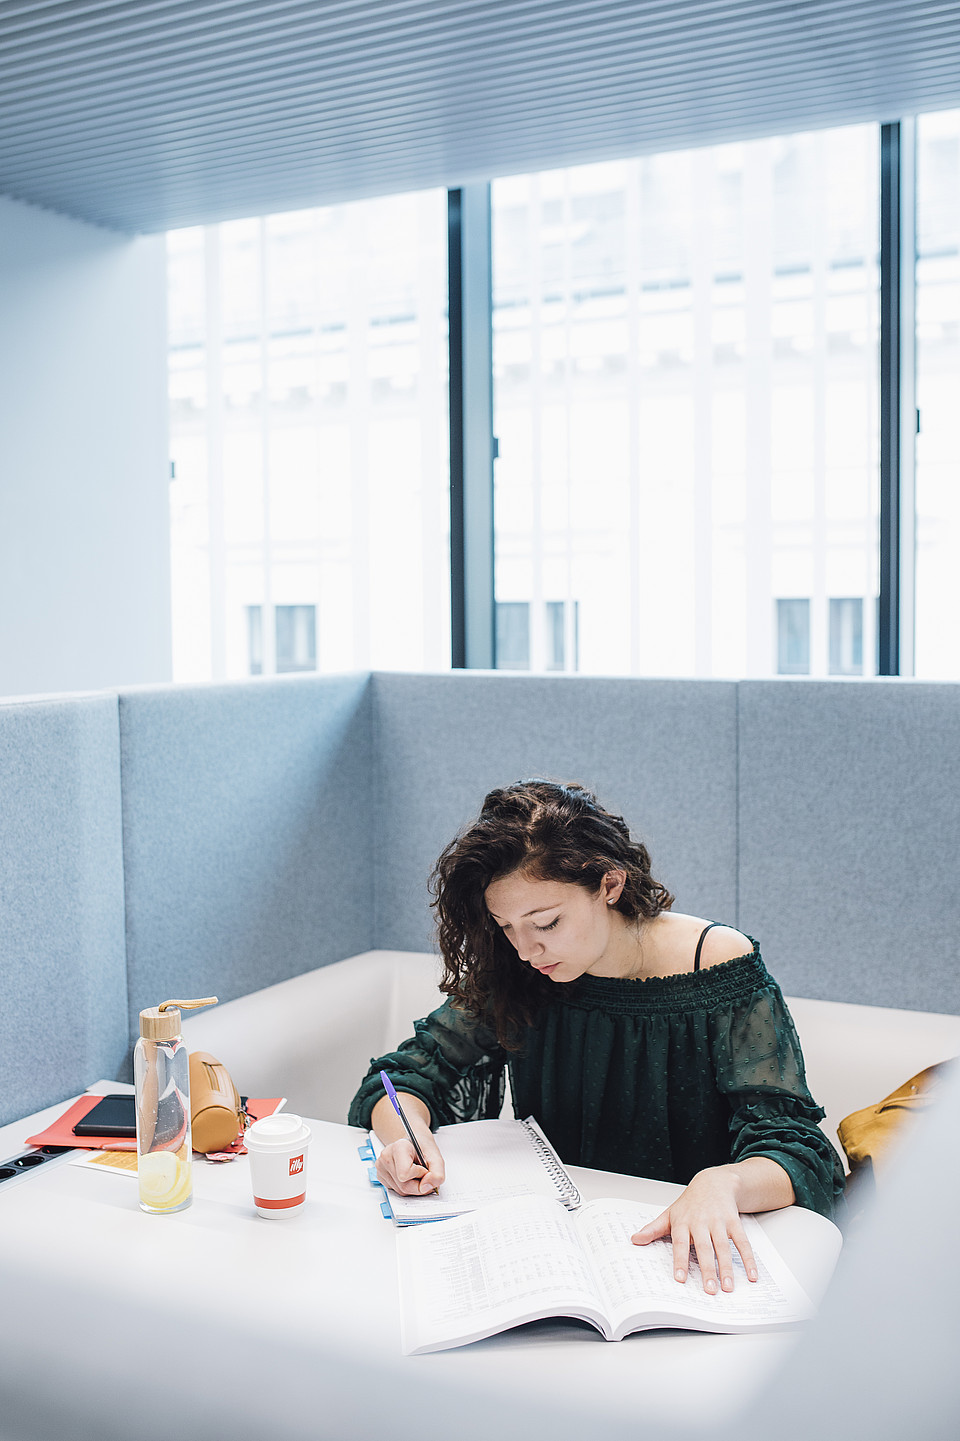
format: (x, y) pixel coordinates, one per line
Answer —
(487, 1161)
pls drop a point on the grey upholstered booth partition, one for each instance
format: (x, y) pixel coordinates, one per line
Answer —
(216, 839)
(63, 1009)
(838, 853)
(849, 835)
(246, 833)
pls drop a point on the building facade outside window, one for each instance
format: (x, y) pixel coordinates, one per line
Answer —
(937, 645)
(308, 381)
(685, 372)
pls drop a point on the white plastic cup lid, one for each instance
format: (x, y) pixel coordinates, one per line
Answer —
(283, 1132)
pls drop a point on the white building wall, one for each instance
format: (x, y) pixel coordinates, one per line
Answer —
(84, 468)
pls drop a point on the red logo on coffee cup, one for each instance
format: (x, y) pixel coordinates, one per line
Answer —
(296, 1165)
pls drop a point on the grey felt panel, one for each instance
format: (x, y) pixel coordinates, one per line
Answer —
(63, 1019)
(661, 752)
(246, 817)
(849, 836)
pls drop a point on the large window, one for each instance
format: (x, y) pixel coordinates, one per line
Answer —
(938, 397)
(310, 513)
(686, 360)
(685, 364)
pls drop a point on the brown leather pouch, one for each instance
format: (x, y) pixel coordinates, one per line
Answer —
(216, 1114)
(868, 1136)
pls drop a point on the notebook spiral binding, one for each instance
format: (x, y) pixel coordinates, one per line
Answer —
(552, 1164)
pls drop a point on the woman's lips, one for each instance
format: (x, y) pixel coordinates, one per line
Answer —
(545, 970)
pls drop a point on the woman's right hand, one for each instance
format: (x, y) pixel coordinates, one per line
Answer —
(398, 1167)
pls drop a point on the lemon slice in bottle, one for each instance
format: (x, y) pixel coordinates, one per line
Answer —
(164, 1179)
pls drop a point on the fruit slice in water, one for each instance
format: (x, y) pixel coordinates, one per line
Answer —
(164, 1179)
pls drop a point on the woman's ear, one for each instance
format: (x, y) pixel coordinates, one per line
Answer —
(611, 887)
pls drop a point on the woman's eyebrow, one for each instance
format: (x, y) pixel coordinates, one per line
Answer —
(537, 910)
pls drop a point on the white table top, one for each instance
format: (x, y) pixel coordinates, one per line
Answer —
(326, 1278)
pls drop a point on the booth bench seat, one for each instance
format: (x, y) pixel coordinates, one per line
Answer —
(311, 1038)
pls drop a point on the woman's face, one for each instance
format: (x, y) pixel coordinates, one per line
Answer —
(560, 929)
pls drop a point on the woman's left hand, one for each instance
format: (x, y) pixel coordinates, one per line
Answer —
(706, 1214)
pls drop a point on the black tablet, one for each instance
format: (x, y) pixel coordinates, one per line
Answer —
(113, 1116)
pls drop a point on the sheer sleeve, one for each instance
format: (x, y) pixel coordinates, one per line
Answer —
(759, 1068)
(452, 1062)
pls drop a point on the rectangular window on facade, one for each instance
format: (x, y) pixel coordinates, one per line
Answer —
(296, 638)
(793, 637)
(562, 635)
(846, 636)
(556, 635)
(513, 635)
(255, 639)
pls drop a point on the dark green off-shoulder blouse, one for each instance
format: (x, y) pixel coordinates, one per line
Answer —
(659, 1077)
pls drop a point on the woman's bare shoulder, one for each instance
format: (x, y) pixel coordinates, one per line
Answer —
(682, 934)
(724, 943)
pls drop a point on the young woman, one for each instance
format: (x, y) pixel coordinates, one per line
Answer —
(642, 1040)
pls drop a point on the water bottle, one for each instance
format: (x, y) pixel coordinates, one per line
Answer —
(161, 1073)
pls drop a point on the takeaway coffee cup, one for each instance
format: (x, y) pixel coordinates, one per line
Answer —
(278, 1148)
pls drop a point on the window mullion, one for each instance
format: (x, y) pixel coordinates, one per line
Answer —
(897, 405)
(471, 428)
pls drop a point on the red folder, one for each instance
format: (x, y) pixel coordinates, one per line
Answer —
(60, 1133)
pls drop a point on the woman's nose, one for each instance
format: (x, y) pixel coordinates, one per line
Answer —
(529, 948)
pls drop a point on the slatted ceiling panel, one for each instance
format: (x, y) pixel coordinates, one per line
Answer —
(150, 114)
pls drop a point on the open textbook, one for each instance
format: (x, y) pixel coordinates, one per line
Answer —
(524, 1260)
(486, 1161)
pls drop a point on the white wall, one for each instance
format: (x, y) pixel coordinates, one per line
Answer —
(84, 469)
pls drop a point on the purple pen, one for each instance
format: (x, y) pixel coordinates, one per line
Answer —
(388, 1087)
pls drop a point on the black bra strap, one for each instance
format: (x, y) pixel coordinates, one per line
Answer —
(696, 959)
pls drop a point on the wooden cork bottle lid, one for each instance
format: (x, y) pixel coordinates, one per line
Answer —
(162, 1023)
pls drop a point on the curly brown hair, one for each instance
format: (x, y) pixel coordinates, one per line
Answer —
(550, 832)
